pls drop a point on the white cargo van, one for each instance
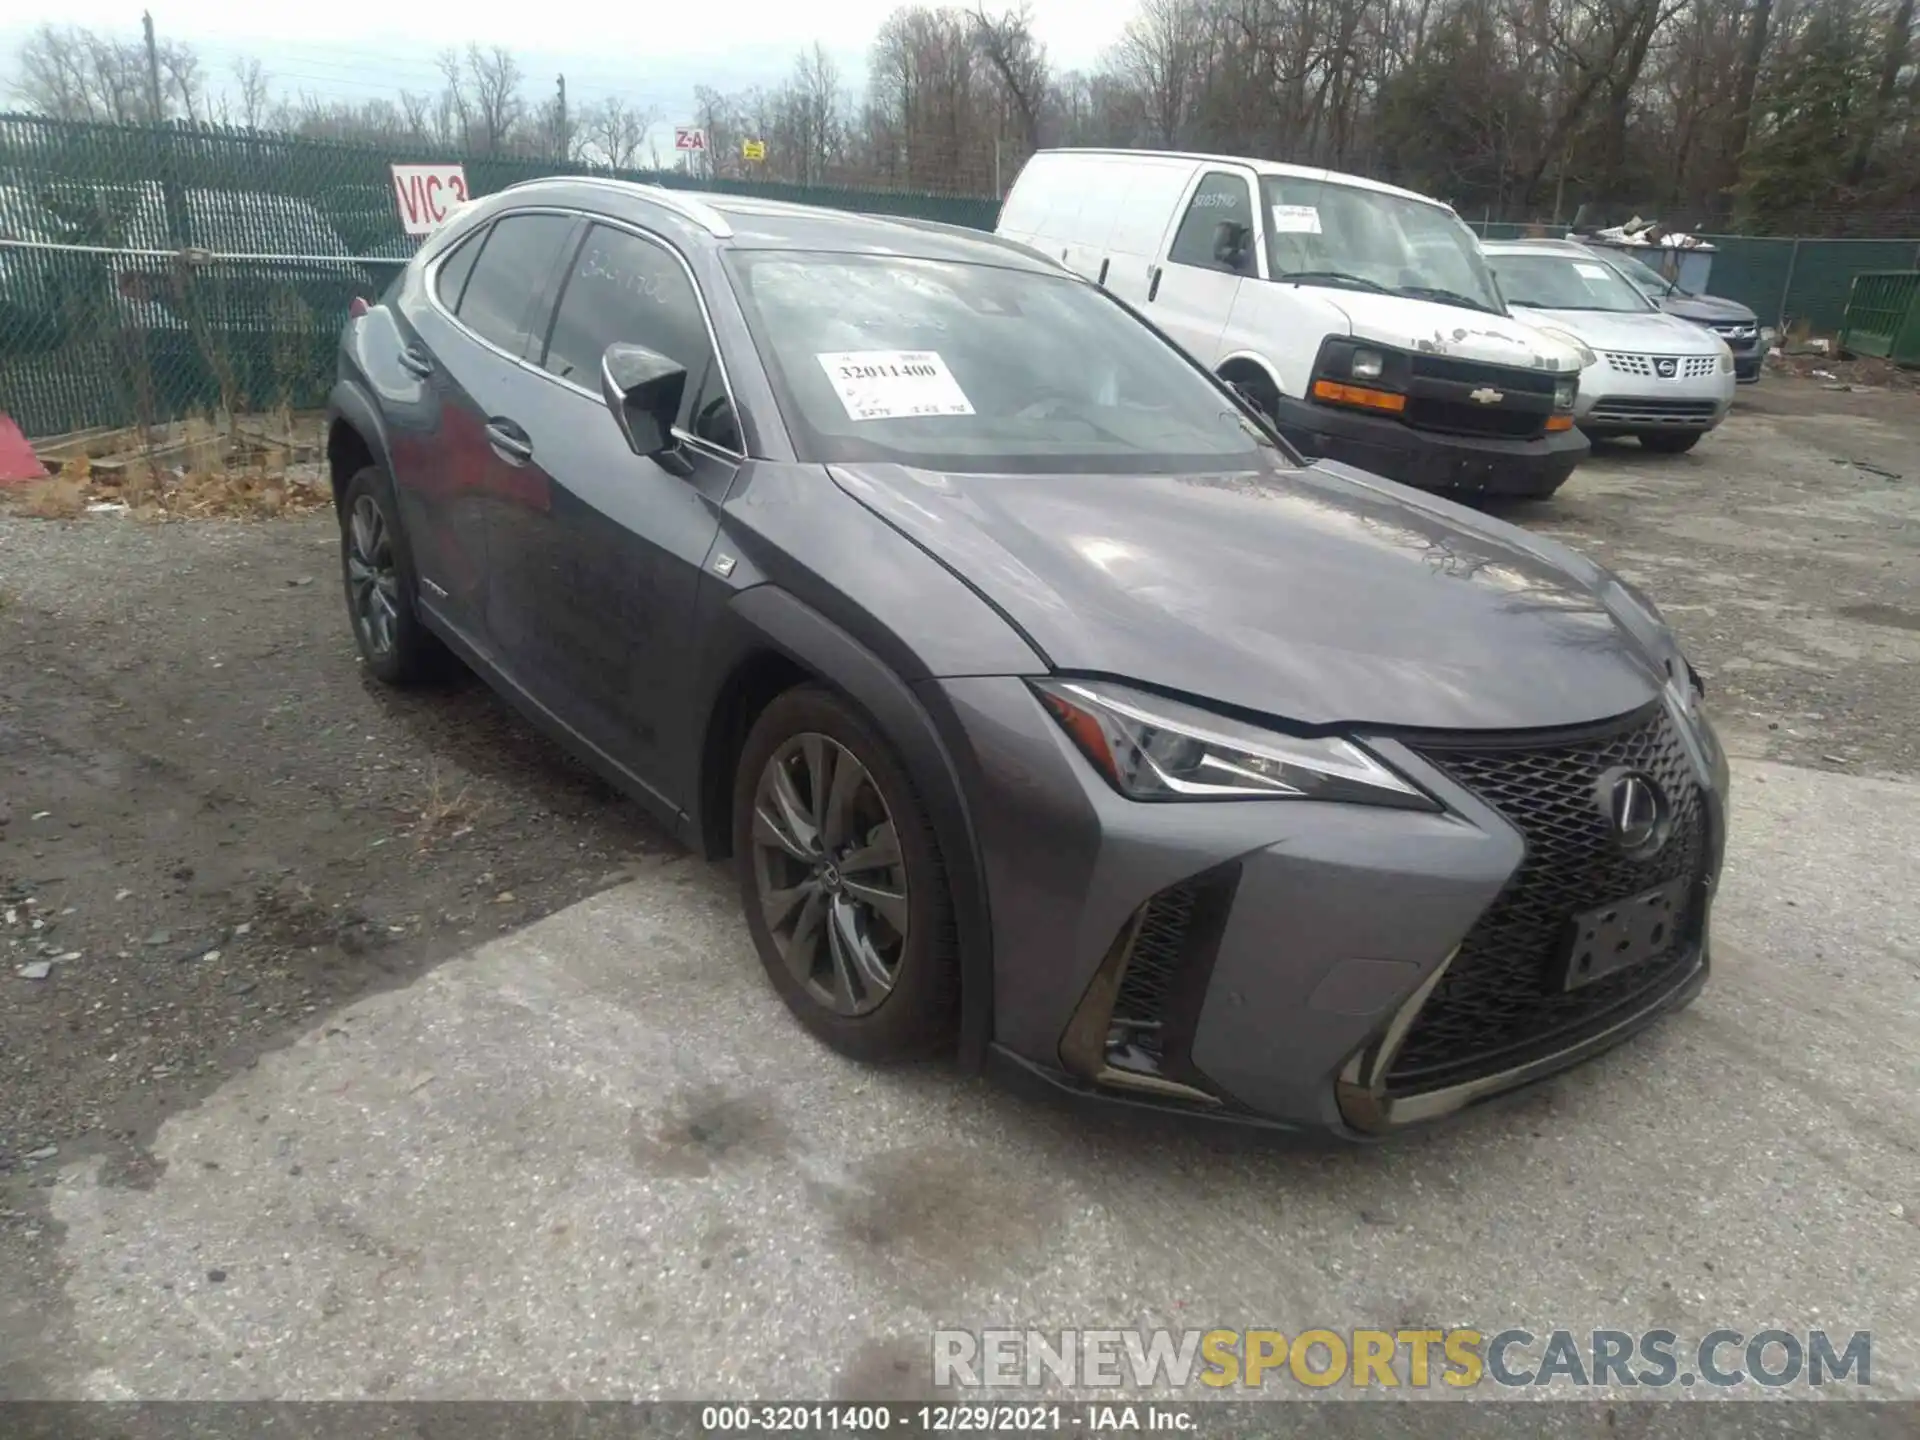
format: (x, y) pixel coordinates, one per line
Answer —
(1360, 316)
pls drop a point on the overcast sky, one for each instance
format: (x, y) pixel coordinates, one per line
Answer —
(365, 48)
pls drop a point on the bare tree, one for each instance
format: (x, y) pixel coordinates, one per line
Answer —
(1020, 61)
(182, 87)
(497, 104)
(75, 74)
(614, 131)
(1157, 55)
(1752, 54)
(250, 80)
(807, 115)
(1886, 94)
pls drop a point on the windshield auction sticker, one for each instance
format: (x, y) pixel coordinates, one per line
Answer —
(894, 384)
(1295, 219)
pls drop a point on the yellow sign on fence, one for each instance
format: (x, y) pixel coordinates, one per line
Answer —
(753, 149)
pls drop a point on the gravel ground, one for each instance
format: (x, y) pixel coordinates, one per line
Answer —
(214, 831)
(212, 826)
(1785, 550)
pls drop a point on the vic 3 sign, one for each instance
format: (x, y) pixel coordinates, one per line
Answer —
(428, 194)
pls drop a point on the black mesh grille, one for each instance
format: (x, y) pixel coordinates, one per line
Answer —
(1140, 1009)
(1634, 408)
(1498, 1002)
(1475, 372)
(1470, 418)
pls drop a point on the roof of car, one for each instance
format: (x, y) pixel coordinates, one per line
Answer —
(749, 222)
(1524, 247)
(1535, 242)
(1262, 167)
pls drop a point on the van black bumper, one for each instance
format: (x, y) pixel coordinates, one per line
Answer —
(1462, 464)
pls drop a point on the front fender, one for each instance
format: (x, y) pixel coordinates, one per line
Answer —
(349, 403)
(769, 617)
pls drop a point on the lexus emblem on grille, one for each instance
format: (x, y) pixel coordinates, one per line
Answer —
(1637, 811)
(1487, 396)
(1664, 366)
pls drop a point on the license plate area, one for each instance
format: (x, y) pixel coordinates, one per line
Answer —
(1624, 933)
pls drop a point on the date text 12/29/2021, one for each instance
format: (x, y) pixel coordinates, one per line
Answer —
(948, 1419)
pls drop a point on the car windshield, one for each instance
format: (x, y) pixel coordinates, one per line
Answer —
(1544, 281)
(1645, 278)
(978, 367)
(1322, 233)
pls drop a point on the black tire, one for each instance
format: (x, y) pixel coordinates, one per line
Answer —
(410, 653)
(916, 1017)
(1258, 391)
(1670, 442)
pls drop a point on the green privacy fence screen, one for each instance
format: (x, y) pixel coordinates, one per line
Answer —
(118, 305)
(1783, 280)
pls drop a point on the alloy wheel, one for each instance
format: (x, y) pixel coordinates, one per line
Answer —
(373, 581)
(831, 881)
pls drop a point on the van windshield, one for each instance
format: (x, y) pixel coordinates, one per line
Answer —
(1322, 233)
(978, 367)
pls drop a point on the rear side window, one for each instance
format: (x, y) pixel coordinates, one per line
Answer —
(512, 269)
(456, 267)
(622, 288)
(1219, 197)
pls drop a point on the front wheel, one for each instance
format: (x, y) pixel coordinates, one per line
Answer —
(841, 877)
(378, 576)
(1670, 442)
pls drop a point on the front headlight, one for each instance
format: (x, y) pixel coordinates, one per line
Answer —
(1563, 393)
(1151, 748)
(1726, 358)
(1572, 341)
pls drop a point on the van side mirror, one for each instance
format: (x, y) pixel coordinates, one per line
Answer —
(642, 388)
(1230, 243)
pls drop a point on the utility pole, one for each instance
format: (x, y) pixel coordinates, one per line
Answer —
(153, 68)
(561, 136)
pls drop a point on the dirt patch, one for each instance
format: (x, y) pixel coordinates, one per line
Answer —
(213, 828)
(1862, 372)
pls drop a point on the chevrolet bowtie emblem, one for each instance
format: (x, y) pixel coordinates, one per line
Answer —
(1487, 396)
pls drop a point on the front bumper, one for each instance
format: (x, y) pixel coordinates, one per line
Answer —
(1303, 961)
(1618, 401)
(1430, 459)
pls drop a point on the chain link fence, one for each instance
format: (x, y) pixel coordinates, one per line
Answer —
(149, 273)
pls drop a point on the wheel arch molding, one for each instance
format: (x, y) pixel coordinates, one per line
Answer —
(352, 414)
(769, 620)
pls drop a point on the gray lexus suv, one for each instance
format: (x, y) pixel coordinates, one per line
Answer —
(1053, 712)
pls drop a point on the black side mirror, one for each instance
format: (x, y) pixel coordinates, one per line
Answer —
(1230, 243)
(643, 388)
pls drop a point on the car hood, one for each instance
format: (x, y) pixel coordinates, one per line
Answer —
(1708, 308)
(1404, 323)
(1320, 595)
(1645, 332)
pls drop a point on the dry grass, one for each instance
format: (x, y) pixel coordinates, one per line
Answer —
(58, 498)
(194, 470)
(446, 814)
(1859, 372)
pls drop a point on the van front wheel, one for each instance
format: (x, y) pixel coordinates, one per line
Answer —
(1255, 387)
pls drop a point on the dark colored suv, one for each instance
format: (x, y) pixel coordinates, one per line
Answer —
(1052, 709)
